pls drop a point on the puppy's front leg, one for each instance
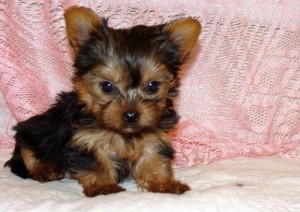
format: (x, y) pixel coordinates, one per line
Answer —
(96, 176)
(91, 164)
(96, 182)
(94, 171)
(153, 171)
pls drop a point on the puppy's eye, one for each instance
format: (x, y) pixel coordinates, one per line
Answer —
(152, 87)
(108, 87)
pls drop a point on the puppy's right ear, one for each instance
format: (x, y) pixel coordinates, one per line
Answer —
(80, 22)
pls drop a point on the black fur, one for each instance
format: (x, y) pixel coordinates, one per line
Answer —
(17, 164)
(167, 151)
(168, 120)
(46, 134)
(123, 169)
(79, 160)
(131, 45)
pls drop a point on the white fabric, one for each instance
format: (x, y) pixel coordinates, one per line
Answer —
(240, 184)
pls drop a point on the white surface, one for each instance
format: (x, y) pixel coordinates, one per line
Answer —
(268, 184)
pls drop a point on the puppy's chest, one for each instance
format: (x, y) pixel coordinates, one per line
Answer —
(105, 143)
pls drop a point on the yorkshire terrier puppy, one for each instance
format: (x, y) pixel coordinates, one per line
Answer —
(114, 123)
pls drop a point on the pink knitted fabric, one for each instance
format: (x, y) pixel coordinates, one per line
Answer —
(240, 93)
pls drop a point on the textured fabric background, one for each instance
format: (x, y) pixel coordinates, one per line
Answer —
(240, 93)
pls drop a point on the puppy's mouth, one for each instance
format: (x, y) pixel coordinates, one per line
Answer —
(134, 128)
(131, 128)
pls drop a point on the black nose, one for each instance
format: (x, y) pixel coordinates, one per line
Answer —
(131, 116)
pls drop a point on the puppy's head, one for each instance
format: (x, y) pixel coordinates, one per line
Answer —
(128, 77)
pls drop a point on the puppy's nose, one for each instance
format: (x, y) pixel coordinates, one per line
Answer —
(131, 116)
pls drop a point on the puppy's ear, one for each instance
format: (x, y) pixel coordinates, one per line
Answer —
(184, 33)
(80, 21)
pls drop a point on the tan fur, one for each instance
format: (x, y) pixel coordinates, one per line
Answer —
(185, 33)
(98, 181)
(152, 171)
(29, 159)
(88, 88)
(101, 180)
(80, 21)
(38, 170)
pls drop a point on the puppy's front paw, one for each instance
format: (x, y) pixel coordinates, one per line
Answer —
(102, 189)
(173, 187)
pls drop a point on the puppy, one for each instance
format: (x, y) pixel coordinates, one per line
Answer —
(113, 125)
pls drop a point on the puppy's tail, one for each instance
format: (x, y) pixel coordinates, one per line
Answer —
(17, 165)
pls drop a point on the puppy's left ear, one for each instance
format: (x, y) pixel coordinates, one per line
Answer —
(184, 34)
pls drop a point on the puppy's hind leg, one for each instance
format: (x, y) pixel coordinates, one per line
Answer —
(39, 170)
(17, 165)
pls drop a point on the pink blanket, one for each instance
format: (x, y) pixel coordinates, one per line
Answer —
(240, 94)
